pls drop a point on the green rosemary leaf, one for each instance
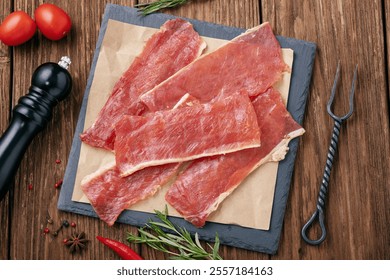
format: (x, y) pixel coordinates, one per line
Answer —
(187, 236)
(216, 256)
(146, 234)
(197, 240)
(149, 8)
(175, 237)
(163, 225)
(156, 229)
(172, 243)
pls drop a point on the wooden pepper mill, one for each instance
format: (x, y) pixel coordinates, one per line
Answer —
(50, 84)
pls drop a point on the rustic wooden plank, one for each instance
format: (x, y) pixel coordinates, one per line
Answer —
(38, 167)
(357, 208)
(386, 6)
(5, 90)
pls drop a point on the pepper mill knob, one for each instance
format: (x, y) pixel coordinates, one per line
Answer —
(53, 79)
(50, 84)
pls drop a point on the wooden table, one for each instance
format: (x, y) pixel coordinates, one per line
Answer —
(358, 216)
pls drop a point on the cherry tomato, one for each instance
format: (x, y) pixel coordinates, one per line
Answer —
(52, 21)
(17, 28)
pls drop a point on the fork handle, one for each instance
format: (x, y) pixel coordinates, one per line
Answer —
(320, 209)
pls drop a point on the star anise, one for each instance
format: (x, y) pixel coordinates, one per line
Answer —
(76, 242)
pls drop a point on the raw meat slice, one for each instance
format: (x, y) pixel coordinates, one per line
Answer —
(206, 182)
(187, 133)
(252, 62)
(110, 194)
(168, 50)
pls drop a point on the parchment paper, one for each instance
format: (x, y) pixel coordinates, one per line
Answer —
(250, 205)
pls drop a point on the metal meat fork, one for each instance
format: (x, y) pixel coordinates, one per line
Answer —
(319, 212)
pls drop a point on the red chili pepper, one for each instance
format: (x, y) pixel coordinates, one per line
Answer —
(124, 251)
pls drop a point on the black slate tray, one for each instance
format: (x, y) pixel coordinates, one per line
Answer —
(266, 241)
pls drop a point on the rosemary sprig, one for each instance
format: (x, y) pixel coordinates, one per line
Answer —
(177, 242)
(149, 8)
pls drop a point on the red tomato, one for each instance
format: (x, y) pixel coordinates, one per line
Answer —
(17, 28)
(52, 21)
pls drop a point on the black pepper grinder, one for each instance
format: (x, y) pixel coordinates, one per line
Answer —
(50, 84)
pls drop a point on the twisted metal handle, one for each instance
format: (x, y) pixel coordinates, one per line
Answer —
(320, 209)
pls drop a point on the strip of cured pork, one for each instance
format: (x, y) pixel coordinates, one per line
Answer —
(179, 135)
(174, 46)
(206, 182)
(251, 62)
(110, 194)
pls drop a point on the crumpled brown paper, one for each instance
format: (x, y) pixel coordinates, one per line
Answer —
(250, 205)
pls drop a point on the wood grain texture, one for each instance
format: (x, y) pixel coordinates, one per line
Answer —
(357, 213)
(386, 22)
(5, 94)
(357, 208)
